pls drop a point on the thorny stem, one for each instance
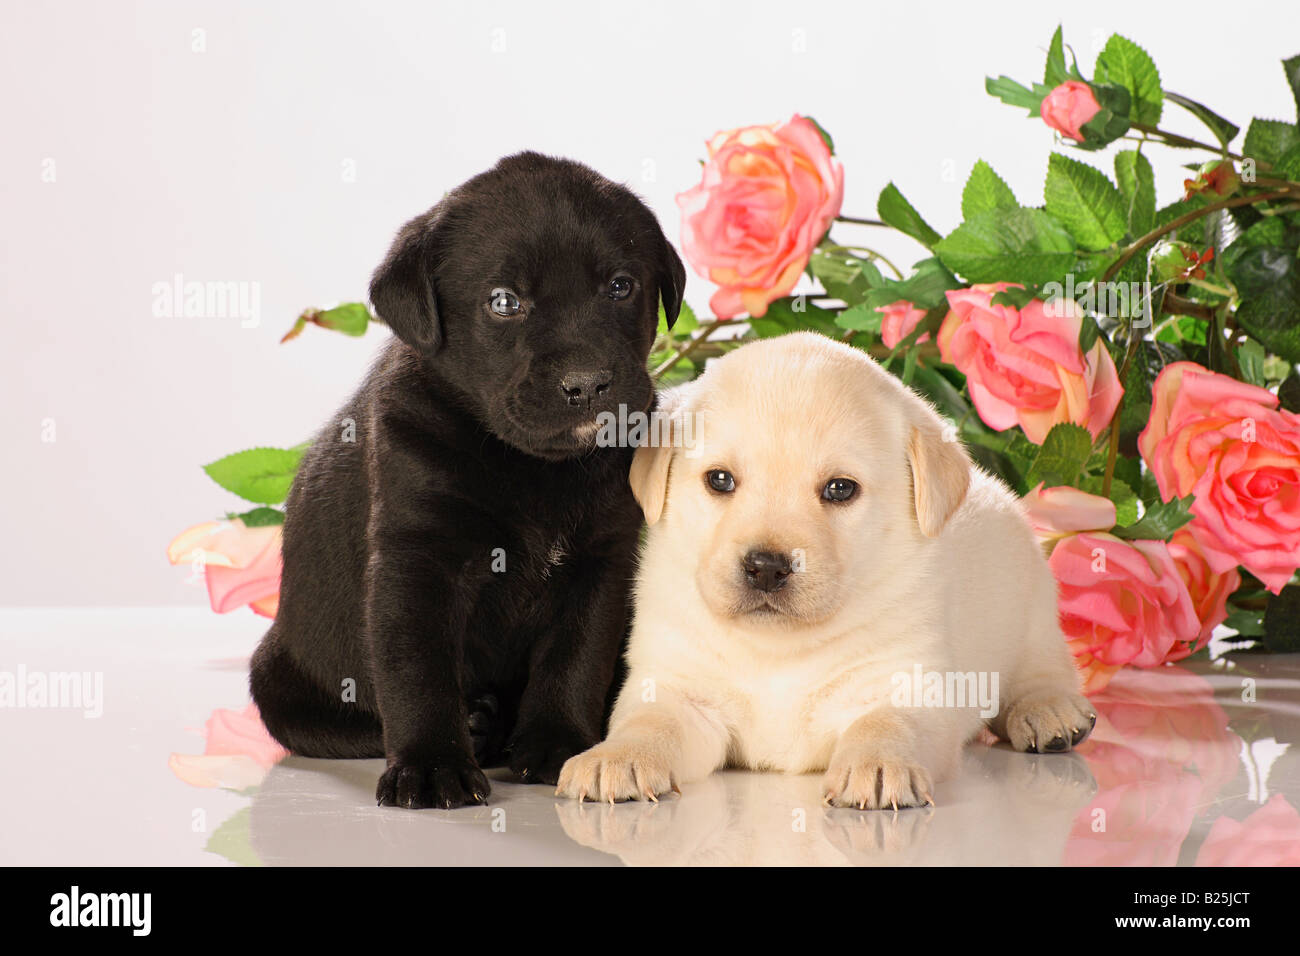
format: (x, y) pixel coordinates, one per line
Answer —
(1112, 452)
(1132, 248)
(706, 330)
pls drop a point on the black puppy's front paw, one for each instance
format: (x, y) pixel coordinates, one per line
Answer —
(445, 781)
(538, 753)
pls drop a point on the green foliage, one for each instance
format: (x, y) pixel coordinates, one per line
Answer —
(899, 213)
(1160, 521)
(1126, 64)
(1012, 245)
(1137, 187)
(1083, 200)
(1061, 460)
(259, 475)
(985, 192)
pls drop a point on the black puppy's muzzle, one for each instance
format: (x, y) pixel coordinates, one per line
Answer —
(766, 571)
(581, 388)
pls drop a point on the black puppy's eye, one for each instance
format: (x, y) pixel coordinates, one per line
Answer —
(720, 481)
(505, 302)
(840, 489)
(620, 287)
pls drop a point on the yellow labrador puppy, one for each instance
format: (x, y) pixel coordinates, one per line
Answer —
(828, 584)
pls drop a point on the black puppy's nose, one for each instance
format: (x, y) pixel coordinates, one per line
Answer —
(581, 387)
(766, 570)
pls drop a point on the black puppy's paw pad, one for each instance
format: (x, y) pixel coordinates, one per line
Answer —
(441, 783)
(538, 757)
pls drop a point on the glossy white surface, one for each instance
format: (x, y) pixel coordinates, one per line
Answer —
(1182, 769)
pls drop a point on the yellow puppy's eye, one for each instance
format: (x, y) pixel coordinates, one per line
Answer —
(840, 489)
(720, 481)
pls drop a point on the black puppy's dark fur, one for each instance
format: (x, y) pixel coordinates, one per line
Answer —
(466, 459)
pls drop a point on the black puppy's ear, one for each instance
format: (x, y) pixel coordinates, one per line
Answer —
(402, 291)
(672, 280)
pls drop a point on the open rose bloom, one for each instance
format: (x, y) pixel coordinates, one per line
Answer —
(240, 565)
(1143, 603)
(1024, 366)
(1122, 602)
(1228, 444)
(768, 195)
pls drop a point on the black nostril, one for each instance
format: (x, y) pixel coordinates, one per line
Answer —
(766, 570)
(579, 387)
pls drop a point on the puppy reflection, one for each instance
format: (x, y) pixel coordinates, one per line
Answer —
(823, 538)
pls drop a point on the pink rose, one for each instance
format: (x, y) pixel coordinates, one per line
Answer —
(897, 322)
(1024, 366)
(1121, 602)
(1068, 107)
(1058, 512)
(1268, 837)
(768, 195)
(1229, 445)
(1209, 591)
(241, 565)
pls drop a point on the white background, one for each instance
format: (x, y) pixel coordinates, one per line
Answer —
(227, 165)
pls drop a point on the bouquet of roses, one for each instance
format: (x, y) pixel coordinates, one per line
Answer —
(1130, 369)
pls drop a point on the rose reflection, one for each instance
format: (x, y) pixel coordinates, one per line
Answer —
(237, 755)
(1161, 754)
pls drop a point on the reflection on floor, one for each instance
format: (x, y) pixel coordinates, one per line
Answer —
(1190, 765)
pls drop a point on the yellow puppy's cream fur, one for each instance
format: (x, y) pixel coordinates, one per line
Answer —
(931, 566)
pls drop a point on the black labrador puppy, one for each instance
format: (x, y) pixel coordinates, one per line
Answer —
(458, 547)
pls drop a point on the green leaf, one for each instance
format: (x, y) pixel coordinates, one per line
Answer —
(1126, 64)
(1288, 164)
(924, 288)
(1061, 460)
(351, 318)
(1267, 140)
(1247, 622)
(1137, 187)
(860, 318)
(844, 276)
(1282, 621)
(259, 475)
(1054, 72)
(1018, 245)
(258, 517)
(985, 191)
(1014, 297)
(1013, 94)
(898, 212)
(1224, 131)
(1268, 280)
(1250, 359)
(792, 314)
(1082, 199)
(1159, 523)
(1292, 69)
(687, 322)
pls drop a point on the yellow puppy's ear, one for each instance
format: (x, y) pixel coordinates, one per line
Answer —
(650, 465)
(940, 473)
(649, 479)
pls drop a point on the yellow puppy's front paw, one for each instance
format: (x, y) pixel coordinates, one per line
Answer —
(612, 771)
(873, 782)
